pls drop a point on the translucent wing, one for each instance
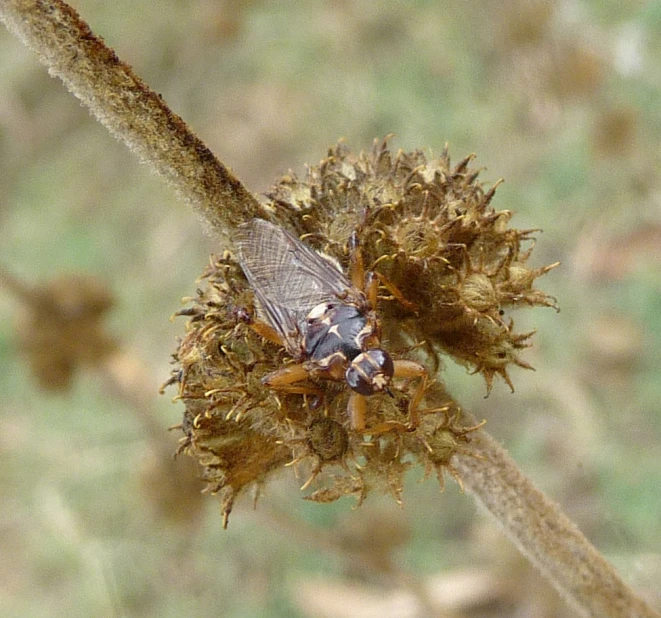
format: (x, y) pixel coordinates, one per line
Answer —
(288, 277)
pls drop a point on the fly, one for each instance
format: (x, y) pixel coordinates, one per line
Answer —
(325, 320)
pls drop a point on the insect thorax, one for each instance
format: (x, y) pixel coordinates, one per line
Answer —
(333, 327)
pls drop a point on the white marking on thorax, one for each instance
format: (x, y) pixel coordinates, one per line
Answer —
(318, 312)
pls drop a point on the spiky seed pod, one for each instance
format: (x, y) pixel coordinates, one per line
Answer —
(430, 229)
(450, 267)
(327, 439)
(219, 379)
(242, 432)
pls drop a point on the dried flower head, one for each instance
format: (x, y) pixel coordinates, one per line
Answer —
(450, 267)
(430, 229)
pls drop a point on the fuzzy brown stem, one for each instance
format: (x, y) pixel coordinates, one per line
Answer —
(130, 110)
(542, 533)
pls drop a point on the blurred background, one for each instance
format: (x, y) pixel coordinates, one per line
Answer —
(563, 100)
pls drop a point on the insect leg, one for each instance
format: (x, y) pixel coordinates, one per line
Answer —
(356, 263)
(261, 328)
(299, 389)
(368, 282)
(397, 294)
(285, 380)
(357, 407)
(411, 369)
(267, 332)
(372, 288)
(282, 379)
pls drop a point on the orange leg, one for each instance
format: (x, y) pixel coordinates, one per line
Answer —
(372, 288)
(411, 369)
(356, 263)
(299, 389)
(261, 328)
(281, 379)
(357, 407)
(368, 282)
(267, 332)
(396, 293)
(286, 380)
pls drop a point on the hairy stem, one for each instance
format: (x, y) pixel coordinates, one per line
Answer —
(129, 109)
(543, 534)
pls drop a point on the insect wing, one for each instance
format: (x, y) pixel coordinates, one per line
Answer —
(288, 277)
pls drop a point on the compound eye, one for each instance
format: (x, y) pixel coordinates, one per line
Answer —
(370, 372)
(358, 381)
(382, 360)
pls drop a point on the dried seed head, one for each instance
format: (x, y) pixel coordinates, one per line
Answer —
(478, 293)
(328, 439)
(241, 432)
(430, 229)
(450, 267)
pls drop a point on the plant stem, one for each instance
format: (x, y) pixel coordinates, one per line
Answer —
(129, 109)
(542, 533)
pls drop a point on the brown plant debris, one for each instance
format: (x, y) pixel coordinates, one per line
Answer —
(61, 329)
(451, 269)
